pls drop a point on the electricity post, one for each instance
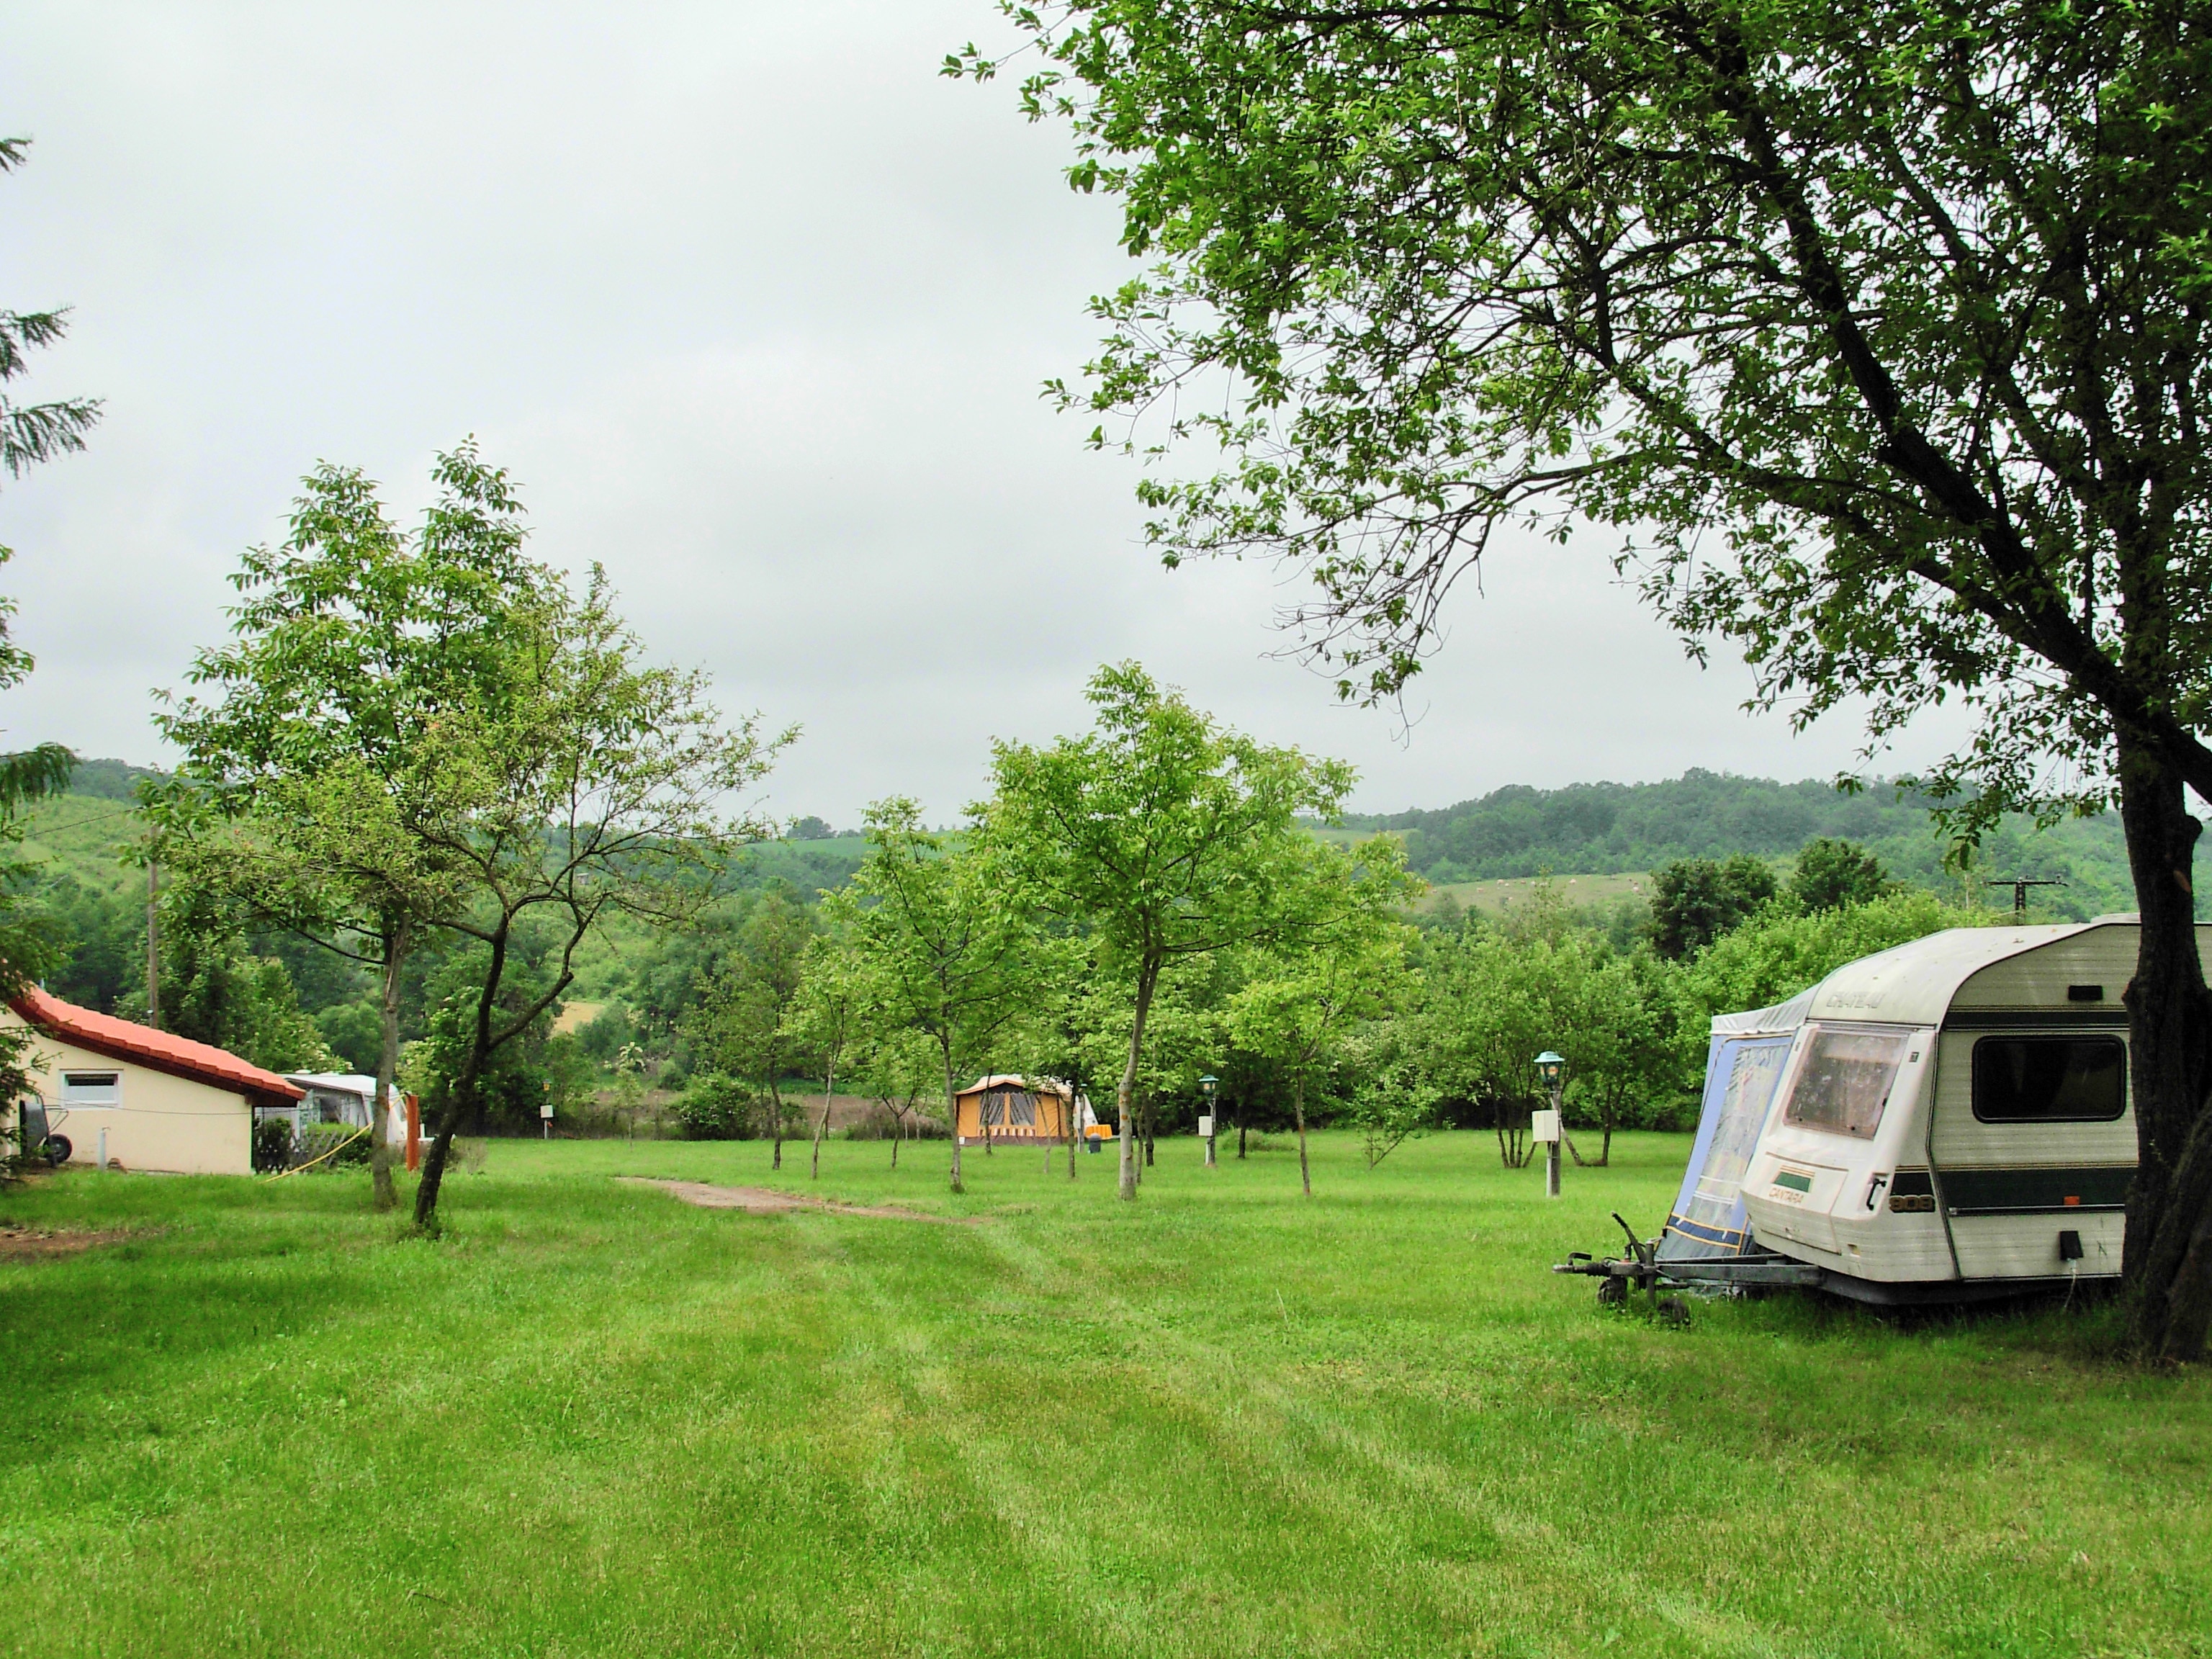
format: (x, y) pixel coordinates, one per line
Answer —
(2019, 884)
(1552, 1069)
(1206, 1125)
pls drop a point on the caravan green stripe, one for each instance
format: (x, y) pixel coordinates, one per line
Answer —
(2005, 1192)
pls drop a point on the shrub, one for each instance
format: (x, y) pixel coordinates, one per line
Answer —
(607, 1030)
(717, 1107)
(316, 1138)
(272, 1144)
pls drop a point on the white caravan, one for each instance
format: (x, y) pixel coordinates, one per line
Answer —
(1944, 1121)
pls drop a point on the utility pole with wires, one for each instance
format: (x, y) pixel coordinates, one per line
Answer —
(152, 942)
(2019, 884)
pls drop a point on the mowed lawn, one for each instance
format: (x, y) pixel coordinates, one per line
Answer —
(1222, 1421)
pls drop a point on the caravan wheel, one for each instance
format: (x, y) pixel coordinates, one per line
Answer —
(1612, 1290)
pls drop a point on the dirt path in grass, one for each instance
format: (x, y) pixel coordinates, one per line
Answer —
(25, 1244)
(763, 1201)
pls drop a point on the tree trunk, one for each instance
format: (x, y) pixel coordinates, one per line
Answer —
(464, 1089)
(952, 1105)
(1150, 1108)
(1068, 1117)
(1512, 1146)
(1124, 1096)
(775, 1111)
(1240, 1132)
(822, 1128)
(382, 1195)
(1298, 1104)
(2167, 1262)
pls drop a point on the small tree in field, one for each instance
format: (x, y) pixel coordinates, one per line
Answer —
(1058, 1034)
(748, 1018)
(1485, 1014)
(1392, 1100)
(949, 952)
(896, 1067)
(1161, 834)
(594, 787)
(835, 992)
(1307, 1000)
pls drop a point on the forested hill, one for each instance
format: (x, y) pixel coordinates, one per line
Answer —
(1598, 828)
(1585, 828)
(109, 780)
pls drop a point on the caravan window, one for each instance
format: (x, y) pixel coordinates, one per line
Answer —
(1844, 1081)
(2050, 1080)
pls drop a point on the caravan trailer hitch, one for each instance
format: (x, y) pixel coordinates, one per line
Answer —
(1619, 1275)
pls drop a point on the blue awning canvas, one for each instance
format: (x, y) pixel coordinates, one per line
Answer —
(1743, 1069)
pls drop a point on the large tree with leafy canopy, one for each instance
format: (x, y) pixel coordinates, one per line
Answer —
(310, 760)
(1163, 835)
(1876, 332)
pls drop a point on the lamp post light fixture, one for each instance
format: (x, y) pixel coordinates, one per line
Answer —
(1206, 1125)
(1552, 1069)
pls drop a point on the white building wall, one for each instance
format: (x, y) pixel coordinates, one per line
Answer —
(165, 1123)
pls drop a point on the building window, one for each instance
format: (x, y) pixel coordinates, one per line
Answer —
(1844, 1081)
(2050, 1080)
(81, 1089)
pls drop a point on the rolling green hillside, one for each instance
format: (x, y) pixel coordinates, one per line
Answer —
(1615, 829)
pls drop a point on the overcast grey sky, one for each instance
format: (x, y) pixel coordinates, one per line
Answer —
(757, 308)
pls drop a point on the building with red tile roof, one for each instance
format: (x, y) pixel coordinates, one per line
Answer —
(162, 1101)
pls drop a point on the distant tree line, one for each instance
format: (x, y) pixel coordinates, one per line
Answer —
(1598, 828)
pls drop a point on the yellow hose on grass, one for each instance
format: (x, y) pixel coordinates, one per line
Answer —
(312, 1162)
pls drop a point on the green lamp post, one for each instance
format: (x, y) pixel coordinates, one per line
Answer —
(1551, 1068)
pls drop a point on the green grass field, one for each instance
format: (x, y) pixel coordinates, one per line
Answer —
(1222, 1421)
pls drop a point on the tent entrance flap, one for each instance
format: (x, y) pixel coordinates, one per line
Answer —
(1741, 1074)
